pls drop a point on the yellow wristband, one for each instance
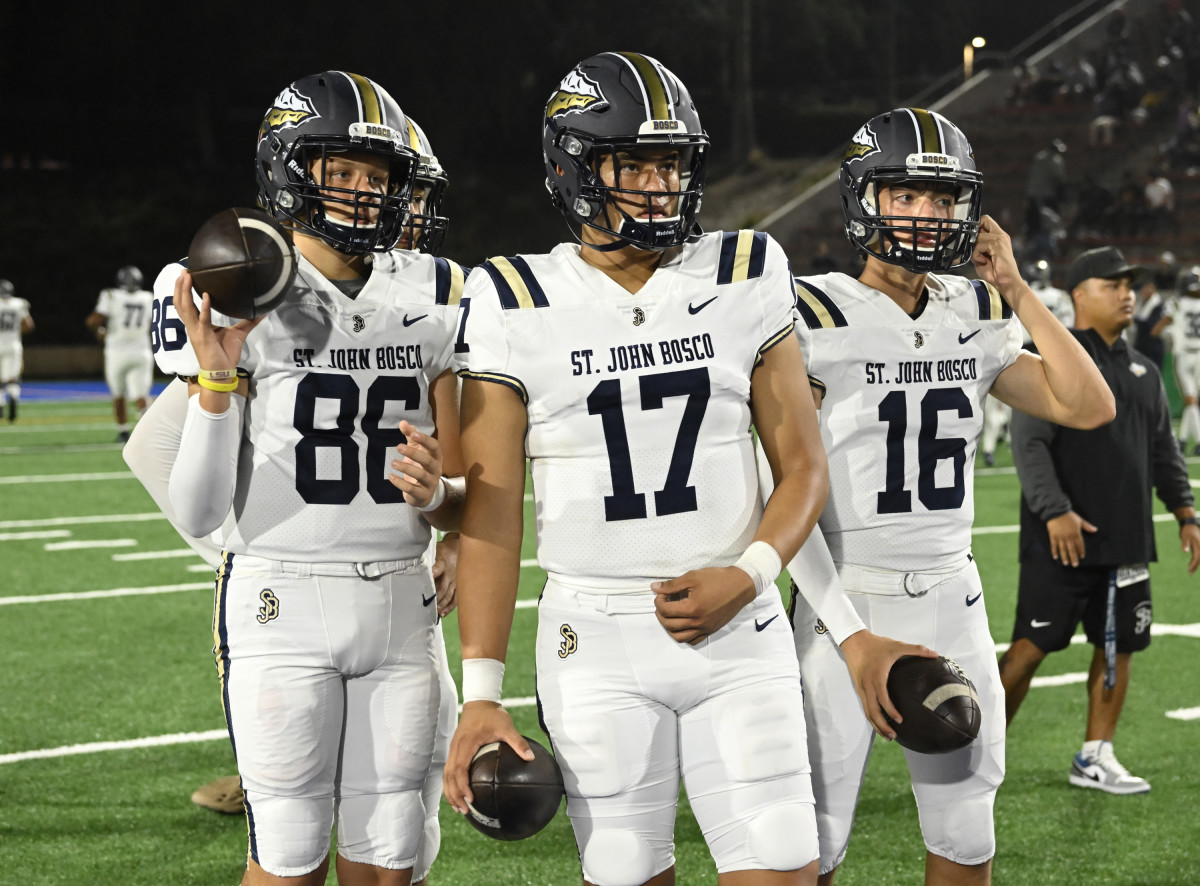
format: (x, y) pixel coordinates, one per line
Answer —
(220, 386)
(218, 374)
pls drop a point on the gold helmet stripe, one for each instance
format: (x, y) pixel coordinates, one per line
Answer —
(414, 140)
(371, 110)
(928, 132)
(655, 91)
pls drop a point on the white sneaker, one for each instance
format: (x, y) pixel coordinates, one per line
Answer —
(1105, 773)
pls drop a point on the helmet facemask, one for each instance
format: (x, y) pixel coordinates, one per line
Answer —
(636, 217)
(373, 218)
(918, 243)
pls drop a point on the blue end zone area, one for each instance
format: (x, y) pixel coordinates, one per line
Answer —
(81, 389)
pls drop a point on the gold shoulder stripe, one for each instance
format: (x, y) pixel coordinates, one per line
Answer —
(741, 256)
(997, 303)
(457, 280)
(513, 278)
(818, 308)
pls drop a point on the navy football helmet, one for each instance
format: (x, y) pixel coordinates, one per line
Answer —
(911, 145)
(622, 101)
(427, 226)
(129, 278)
(318, 117)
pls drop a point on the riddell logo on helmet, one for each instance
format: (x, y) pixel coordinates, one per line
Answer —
(577, 92)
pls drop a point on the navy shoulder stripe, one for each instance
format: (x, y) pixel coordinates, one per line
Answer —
(816, 307)
(516, 283)
(448, 281)
(743, 256)
(991, 305)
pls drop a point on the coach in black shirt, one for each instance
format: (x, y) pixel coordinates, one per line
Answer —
(1086, 520)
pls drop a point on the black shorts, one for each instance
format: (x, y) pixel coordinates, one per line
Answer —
(1053, 599)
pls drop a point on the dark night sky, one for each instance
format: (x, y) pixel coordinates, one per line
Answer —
(126, 126)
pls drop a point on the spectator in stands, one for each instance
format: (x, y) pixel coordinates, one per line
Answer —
(1047, 182)
(1150, 321)
(1160, 200)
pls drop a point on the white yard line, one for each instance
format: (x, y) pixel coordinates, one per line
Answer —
(80, 521)
(87, 544)
(114, 592)
(65, 478)
(31, 536)
(157, 555)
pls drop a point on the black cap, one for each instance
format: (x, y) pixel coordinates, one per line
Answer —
(1106, 262)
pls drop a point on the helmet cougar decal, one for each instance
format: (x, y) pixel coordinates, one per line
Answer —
(614, 103)
(921, 149)
(314, 120)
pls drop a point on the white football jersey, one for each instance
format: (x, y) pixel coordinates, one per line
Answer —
(639, 420)
(902, 412)
(168, 338)
(331, 378)
(128, 313)
(12, 311)
(1185, 325)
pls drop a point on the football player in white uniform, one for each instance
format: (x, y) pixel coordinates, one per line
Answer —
(900, 361)
(629, 369)
(15, 321)
(1185, 343)
(154, 443)
(121, 322)
(325, 633)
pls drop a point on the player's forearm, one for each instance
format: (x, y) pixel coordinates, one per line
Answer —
(817, 580)
(205, 471)
(794, 506)
(488, 576)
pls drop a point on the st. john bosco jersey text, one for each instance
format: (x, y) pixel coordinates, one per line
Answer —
(638, 404)
(902, 412)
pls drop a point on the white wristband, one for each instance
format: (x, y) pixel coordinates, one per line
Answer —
(762, 563)
(439, 496)
(481, 679)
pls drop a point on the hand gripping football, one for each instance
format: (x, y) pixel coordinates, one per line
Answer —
(244, 260)
(513, 799)
(937, 701)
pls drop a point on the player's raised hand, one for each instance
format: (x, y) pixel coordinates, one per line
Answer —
(482, 722)
(993, 255)
(418, 469)
(216, 347)
(869, 658)
(702, 601)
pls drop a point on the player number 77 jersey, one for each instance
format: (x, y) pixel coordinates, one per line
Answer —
(902, 412)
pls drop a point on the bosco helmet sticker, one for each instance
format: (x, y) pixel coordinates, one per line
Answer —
(576, 92)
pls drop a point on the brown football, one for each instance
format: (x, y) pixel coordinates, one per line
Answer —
(244, 260)
(513, 799)
(937, 701)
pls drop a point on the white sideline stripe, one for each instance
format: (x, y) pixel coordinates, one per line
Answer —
(41, 450)
(156, 555)
(92, 543)
(1060, 680)
(28, 536)
(108, 424)
(75, 521)
(154, 741)
(1156, 630)
(200, 567)
(1184, 714)
(115, 592)
(65, 478)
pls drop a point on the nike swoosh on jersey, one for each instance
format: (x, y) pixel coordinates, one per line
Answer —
(696, 309)
(972, 600)
(408, 322)
(962, 340)
(1039, 624)
(425, 601)
(759, 627)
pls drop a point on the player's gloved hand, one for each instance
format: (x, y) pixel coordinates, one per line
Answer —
(418, 470)
(701, 601)
(482, 722)
(1066, 537)
(445, 573)
(869, 658)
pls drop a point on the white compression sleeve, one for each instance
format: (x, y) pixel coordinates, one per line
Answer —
(205, 471)
(151, 451)
(813, 571)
